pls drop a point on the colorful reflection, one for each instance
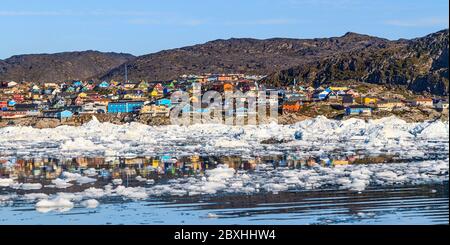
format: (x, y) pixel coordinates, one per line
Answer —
(164, 166)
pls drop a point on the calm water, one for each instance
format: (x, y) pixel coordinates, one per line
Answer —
(415, 204)
(427, 204)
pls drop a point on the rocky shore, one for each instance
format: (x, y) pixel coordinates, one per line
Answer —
(407, 114)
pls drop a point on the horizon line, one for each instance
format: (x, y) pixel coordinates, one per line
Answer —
(212, 40)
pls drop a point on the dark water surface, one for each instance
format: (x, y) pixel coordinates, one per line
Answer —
(425, 204)
(410, 204)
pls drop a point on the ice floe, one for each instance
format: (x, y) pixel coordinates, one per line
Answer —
(91, 203)
(391, 135)
(58, 203)
(225, 180)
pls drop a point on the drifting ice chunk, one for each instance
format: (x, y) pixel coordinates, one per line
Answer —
(91, 203)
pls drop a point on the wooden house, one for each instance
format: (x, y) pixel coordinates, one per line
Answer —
(291, 106)
(389, 105)
(358, 110)
(423, 102)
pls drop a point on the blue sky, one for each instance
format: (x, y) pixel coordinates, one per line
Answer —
(145, 26)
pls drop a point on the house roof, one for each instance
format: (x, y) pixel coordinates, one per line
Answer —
(424, 99)
(358, 107)
(24, 107)
(291, 103)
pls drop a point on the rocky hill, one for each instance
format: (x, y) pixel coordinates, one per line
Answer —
(420, 65)
(251, 56)
(60, 67)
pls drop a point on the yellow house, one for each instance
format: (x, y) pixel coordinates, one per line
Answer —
(369, 101)
(339, 88)
(154, 93)
(155, 163)
(113, 83)
(340, 162)
(50, 85)
(132, 96)
(37, 96)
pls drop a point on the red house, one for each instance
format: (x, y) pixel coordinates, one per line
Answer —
(3, 104)
(18, 98)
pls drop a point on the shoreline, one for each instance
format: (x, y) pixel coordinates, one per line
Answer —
(410, 116)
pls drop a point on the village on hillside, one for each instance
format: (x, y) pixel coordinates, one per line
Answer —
(65, 101)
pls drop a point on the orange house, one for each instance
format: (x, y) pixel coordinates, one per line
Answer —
(293, 106)
(227, 87)
(224, 78)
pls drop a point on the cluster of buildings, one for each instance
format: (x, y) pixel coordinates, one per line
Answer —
(351, 101)
(62, 101)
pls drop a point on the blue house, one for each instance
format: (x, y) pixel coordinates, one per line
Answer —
(104, 84)
(11, 103)
(164, 102)
(70, 89)
(165, 91)
(60, 114)
(321, 95)
(358, 110)
(124, 106)
(64, 114)
(77, 84)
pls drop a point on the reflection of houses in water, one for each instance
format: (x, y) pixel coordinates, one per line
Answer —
(30, 168)
(91, 162)
(232, 161)
(157, 166)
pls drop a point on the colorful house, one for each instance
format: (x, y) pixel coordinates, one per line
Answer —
(103, 85)
(227, 87)
(164, 102)
(3, 105)
(124, 106)
(358, 110)
(423, 102)
(60, 114)
(77, 84)
(18, 98)
(70, 89)
(155, 93)
(11, 103)
(154, 109)
(369, 101)
(321, 95)
(333, 96)
(143, 85)
(64, 114)
(159, 88)
(338, 88)
(340, 162)
(224, 78)
(389, 104)
(291, 106)
(133, 96)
